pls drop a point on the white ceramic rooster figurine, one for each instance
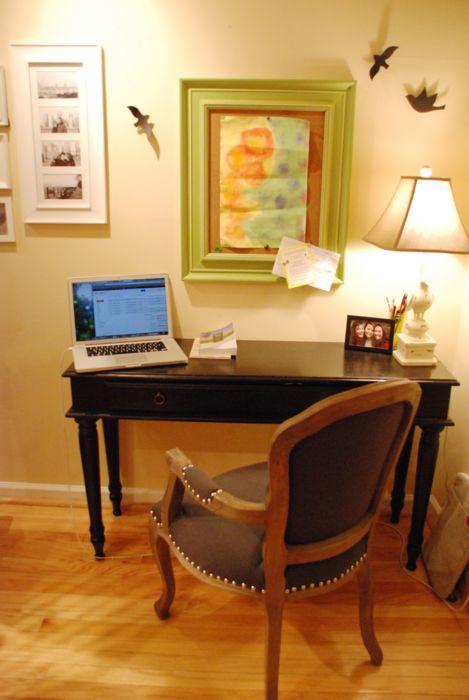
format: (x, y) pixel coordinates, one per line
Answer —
(419, 303)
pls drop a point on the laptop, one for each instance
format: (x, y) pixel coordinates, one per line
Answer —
(122, 321)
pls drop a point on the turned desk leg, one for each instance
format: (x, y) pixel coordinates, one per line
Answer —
(427, 456)
(88, 439)
(398, 491)
(111, 441)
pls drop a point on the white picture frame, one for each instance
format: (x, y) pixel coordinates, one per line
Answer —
(7, 232)
(57, 97)
(3, 99)
(5, 182)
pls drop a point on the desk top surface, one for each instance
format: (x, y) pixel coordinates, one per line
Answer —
(285, 360)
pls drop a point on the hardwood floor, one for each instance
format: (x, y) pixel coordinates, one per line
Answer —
(72, 627)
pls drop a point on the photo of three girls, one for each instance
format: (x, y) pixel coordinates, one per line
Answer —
(372, 334)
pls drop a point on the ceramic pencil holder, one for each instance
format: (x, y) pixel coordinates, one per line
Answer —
(398, 328)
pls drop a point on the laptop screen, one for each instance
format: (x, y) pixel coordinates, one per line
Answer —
(109, 309)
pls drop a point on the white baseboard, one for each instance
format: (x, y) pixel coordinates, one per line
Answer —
(67, 492)
(433, 510)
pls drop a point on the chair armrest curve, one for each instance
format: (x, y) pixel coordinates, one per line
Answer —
(207, 492)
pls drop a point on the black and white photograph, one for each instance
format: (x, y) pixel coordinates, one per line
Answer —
(59, 120)
(3, 220)
(369, 334)
(58, 101)
(63, 186)
(57, 85)
(61, 154)
(5, 182)
(7, 234)
(3, 99)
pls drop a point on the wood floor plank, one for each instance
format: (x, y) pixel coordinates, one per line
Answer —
(74, 628)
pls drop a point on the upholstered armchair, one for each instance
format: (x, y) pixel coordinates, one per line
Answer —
(299, 524)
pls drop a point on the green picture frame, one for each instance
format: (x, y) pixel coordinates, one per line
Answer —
(200, 100)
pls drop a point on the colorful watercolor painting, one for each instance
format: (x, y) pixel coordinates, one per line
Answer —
(263, 180)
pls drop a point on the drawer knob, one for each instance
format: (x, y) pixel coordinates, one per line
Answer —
(159, 398)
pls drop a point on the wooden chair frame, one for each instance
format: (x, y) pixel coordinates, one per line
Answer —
(272, 515)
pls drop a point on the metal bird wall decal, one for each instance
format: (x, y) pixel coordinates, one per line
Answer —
(142, 123)
(380, 60)
(423, 102)
(145, 127)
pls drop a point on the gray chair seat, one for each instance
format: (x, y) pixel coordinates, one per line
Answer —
(299, 524)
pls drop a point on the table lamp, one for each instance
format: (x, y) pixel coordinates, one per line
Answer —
(421, 216)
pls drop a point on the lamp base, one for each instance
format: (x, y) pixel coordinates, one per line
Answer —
(415, 351)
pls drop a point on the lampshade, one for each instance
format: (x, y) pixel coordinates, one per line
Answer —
(421, 216)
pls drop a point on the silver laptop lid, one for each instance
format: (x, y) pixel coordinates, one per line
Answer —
(120, 307)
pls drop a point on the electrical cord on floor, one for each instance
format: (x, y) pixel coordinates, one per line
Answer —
(453, 608)
(447, 487)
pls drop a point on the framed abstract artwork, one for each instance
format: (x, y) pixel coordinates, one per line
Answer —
(58, 109)
(262, 160)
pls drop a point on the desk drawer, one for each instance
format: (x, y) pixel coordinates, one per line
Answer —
(240, 403)
(147, 398)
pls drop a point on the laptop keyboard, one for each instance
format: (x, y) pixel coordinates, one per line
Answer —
(125, 348)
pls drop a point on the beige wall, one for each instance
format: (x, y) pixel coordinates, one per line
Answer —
(148, 46)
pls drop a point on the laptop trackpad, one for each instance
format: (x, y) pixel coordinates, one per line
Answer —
(140, 359)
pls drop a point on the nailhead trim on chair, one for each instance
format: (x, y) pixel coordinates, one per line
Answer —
(321, 584)
(191, 490)
(243, 585)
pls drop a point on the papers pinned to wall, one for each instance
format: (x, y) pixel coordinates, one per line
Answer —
(305, 264)
(298, 265)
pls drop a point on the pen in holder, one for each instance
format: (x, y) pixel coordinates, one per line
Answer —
(398, 314)
(399, 325)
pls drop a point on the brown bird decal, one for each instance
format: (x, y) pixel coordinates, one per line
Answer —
(424, 102)
(380, 60)
(145, 127)
(142, 123)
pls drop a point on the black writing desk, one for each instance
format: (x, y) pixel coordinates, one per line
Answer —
(266, 383)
